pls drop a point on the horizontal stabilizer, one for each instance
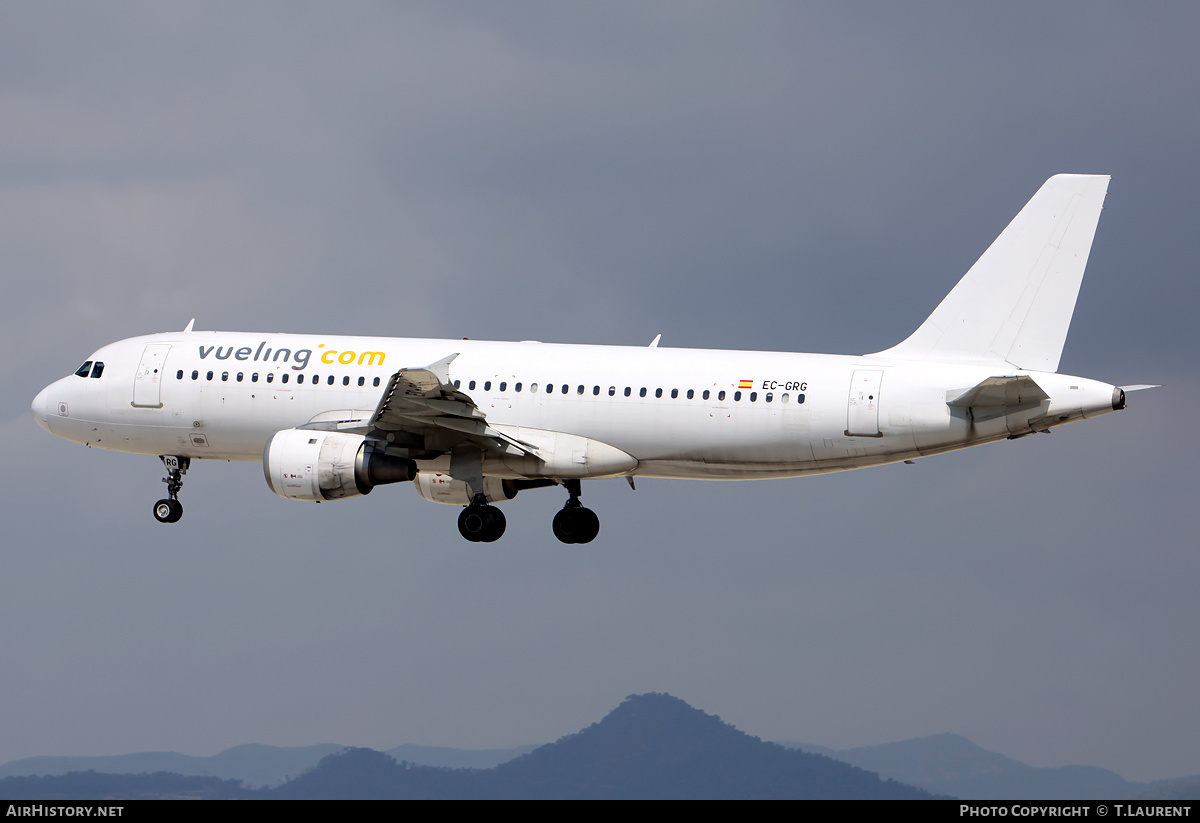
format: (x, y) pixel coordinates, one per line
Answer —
(1014, 306)
(998, 396)
(1141, 386)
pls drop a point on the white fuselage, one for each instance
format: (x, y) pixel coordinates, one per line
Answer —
(692, 413)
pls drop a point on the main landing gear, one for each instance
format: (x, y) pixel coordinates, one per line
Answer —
(480, 522)
(574, 523)
(169, 510)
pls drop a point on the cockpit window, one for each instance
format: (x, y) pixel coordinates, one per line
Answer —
(97, 369)
(85, 369)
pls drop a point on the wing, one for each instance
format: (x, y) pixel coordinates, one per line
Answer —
(421, 415)
(422, 403)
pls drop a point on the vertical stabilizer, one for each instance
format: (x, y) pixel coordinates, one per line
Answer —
(1015, 304)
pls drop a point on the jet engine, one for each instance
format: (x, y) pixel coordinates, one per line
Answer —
(442, 488)
(303, 464)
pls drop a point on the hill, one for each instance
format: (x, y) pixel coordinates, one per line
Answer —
(652, 746)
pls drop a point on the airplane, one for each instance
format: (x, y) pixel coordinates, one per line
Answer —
(472, 423)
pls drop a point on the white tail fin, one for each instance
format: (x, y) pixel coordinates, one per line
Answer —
(1015, 304)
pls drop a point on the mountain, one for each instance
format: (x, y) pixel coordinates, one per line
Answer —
(252, 763)
(657, 746)
(456, 758)
(950, 764)
(652, 746)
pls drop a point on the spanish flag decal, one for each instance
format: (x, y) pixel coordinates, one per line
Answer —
(746, 384)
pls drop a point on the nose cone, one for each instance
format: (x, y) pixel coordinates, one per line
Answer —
(38, 407)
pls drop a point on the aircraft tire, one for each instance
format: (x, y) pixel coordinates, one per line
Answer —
(481, 524)
(471, 523)
(168, 511)
(496, 525)
(576, 525)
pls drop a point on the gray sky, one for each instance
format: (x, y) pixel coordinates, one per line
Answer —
(732, 175)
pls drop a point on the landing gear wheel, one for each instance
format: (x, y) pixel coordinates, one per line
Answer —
(481, 524)
(168, 511)
(575, 524)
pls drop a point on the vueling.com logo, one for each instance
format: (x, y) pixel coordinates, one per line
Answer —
(299, 358)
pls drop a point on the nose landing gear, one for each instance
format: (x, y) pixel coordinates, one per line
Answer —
(169, 510)
(574, 523)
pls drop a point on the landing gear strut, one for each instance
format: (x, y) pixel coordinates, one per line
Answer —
(480, 522)
(169, 510)
(574, 523)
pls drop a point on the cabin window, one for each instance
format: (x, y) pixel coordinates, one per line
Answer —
(240, 376)
(270, 377)
(299, 378)
(737, 395)
(612, 391)
(208, 376)
(283, 378)
(362, 381)
(768, 397)
(691, 394)
(705, 395)
(627, 391)
(658, 392)
(783, 398)
(549, 388)
(595, 390)
(579, 389)
(97, 369)
(179, 374)
(346, 381)
(330, 380)
(642, 393)
(487, 385)
(458, 384)
(254, 377)
(799, 399)
(85, 369)
(533, 388)
(195, 374)
(376, 382)
(721, 394)
(674, 393)
(503, 386)
(471, 385)
(517, 387)
(753, 396)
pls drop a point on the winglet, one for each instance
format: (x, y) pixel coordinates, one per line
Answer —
(191, 323)
(654, 342)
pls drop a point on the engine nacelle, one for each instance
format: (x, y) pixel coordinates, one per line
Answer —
(303, 464)
(442, 488)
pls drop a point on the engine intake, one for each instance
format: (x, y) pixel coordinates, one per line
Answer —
(303, 464)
